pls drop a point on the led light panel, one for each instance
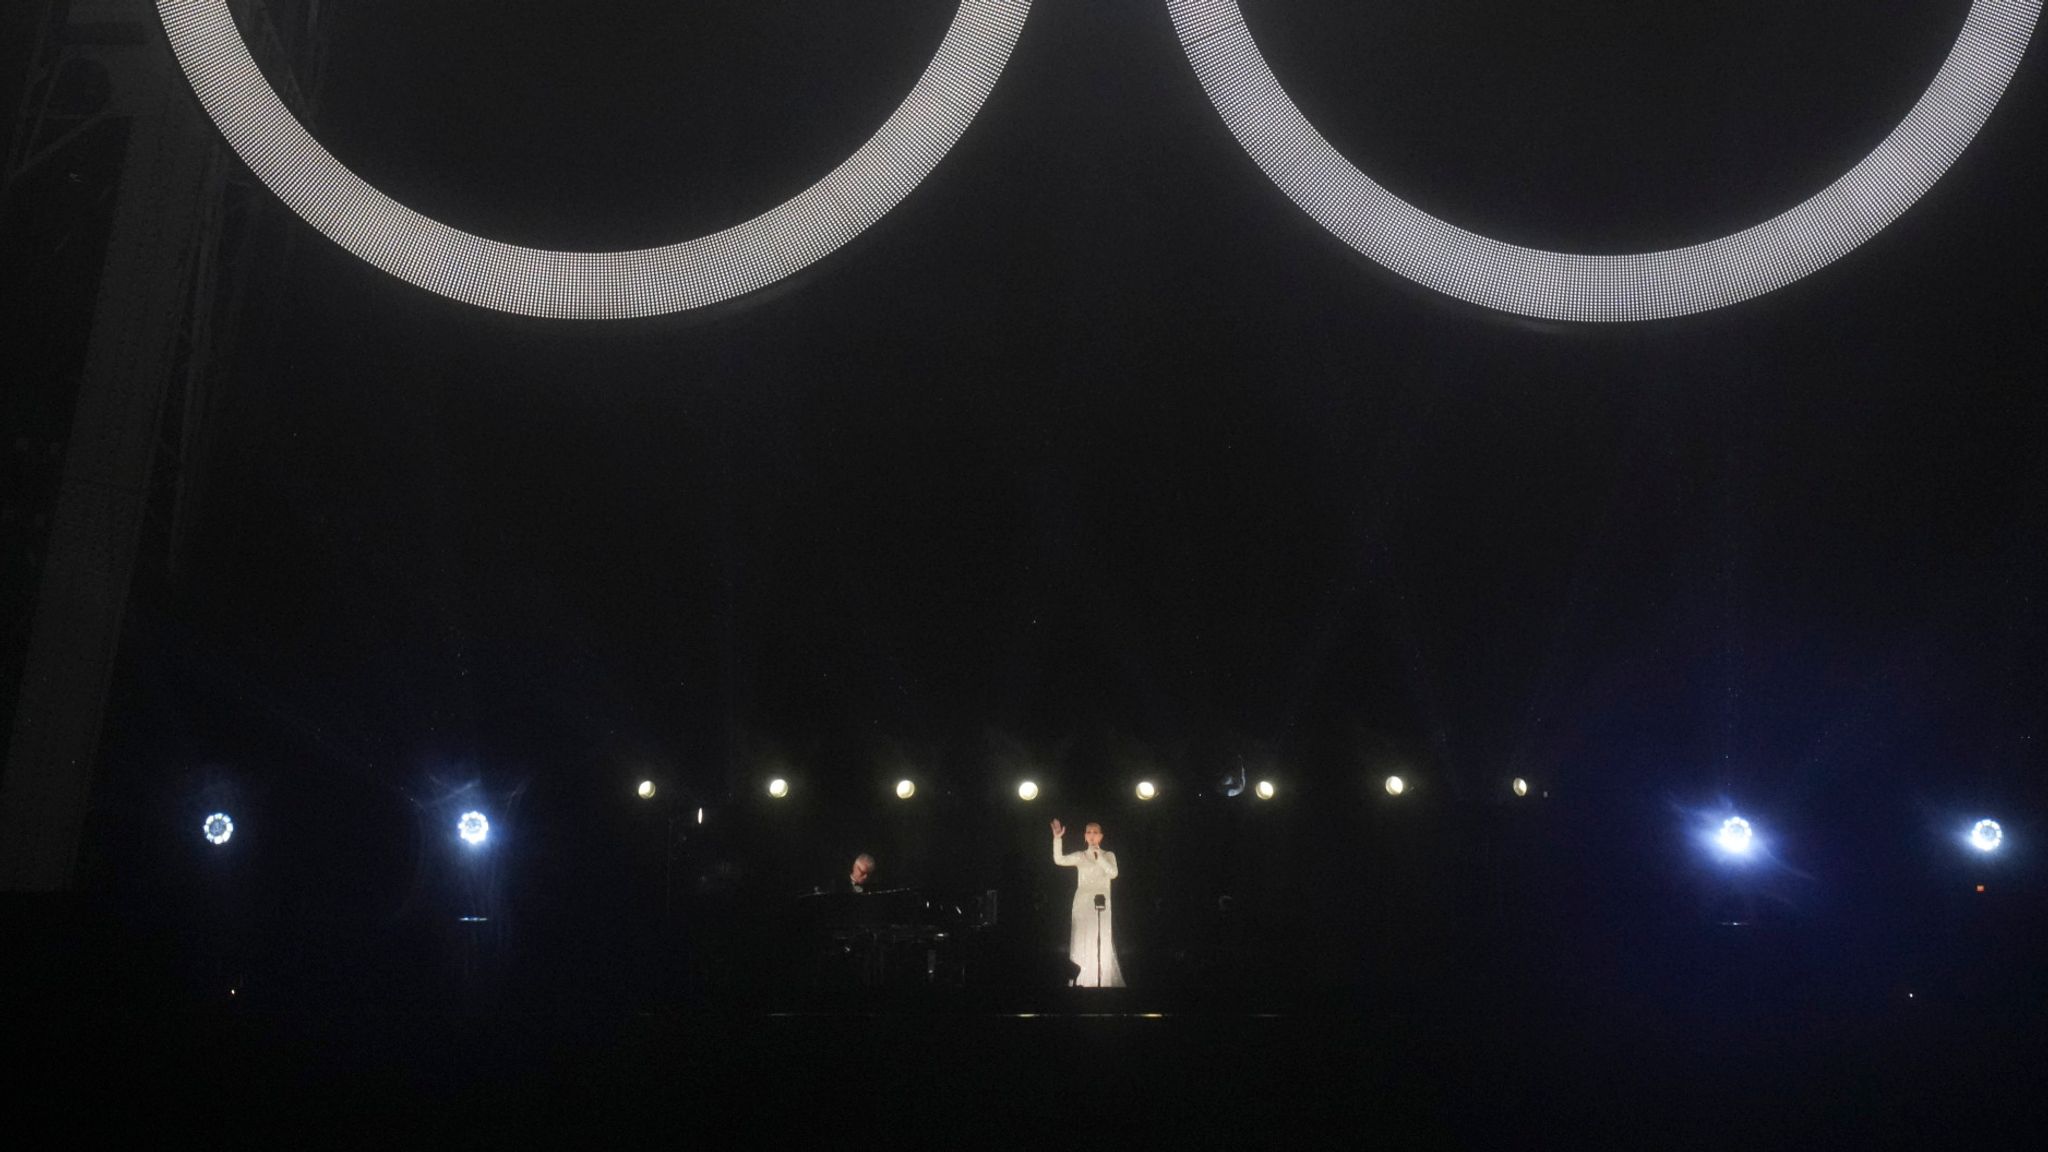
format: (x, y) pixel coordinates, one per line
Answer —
(1564, 286)
(641, 282)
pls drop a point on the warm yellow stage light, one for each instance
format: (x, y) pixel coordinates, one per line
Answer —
(646, 789)
(1146, 791)
(905, 789)
(1520, 786)
(778, 787)
(1396, 785)
(1027, 791)
(1265, 790)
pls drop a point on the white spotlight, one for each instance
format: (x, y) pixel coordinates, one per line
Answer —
(1264, 790)
(1520, 786)
(1146, 791)
(1986, 836)
(1735, 836)
(1396, 785)
(217, 828)
(646, 790)
(473, 827)
(905, 789)
(778, 787)
(1027, 791)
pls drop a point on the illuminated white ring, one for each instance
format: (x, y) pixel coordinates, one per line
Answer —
(643, 282)
(1564, 286)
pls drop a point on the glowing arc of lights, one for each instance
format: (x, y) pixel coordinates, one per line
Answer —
(1567, 286)
(591, 285)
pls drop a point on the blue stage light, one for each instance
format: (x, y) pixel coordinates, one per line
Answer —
(217, 828)
(473, 827)
(1735, 836)
(1986, 836)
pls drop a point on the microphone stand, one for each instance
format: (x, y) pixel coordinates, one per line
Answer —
(1101, 902)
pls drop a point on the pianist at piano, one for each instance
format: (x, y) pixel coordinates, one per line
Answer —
(863, 936)
(861, 879)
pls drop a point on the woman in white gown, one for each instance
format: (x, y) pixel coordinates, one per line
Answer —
(1093, 869)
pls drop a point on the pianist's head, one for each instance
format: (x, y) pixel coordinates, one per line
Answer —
(863, 867)
(1093, 834)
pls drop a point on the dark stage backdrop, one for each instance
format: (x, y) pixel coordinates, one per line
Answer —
(1096, 458)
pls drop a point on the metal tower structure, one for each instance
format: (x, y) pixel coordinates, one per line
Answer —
(175, 263)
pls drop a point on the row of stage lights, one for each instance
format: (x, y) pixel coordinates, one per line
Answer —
(475, 827)
(1027, 790)
(1735, 838)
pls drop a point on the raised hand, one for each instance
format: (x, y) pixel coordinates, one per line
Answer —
(1059, 830)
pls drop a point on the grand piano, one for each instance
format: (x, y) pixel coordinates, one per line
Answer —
(895, 937)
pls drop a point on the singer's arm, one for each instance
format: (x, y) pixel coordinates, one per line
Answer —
(1063, 859)
(1108, 863)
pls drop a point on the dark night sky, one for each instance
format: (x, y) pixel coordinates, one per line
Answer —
(1097, 452)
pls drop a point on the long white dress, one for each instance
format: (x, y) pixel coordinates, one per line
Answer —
(1093, 870)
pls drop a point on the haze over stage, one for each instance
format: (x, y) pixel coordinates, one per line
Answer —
(450, 614)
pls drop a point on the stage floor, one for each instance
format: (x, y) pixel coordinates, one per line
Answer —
(1685, 1037)
(1727, 1069)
